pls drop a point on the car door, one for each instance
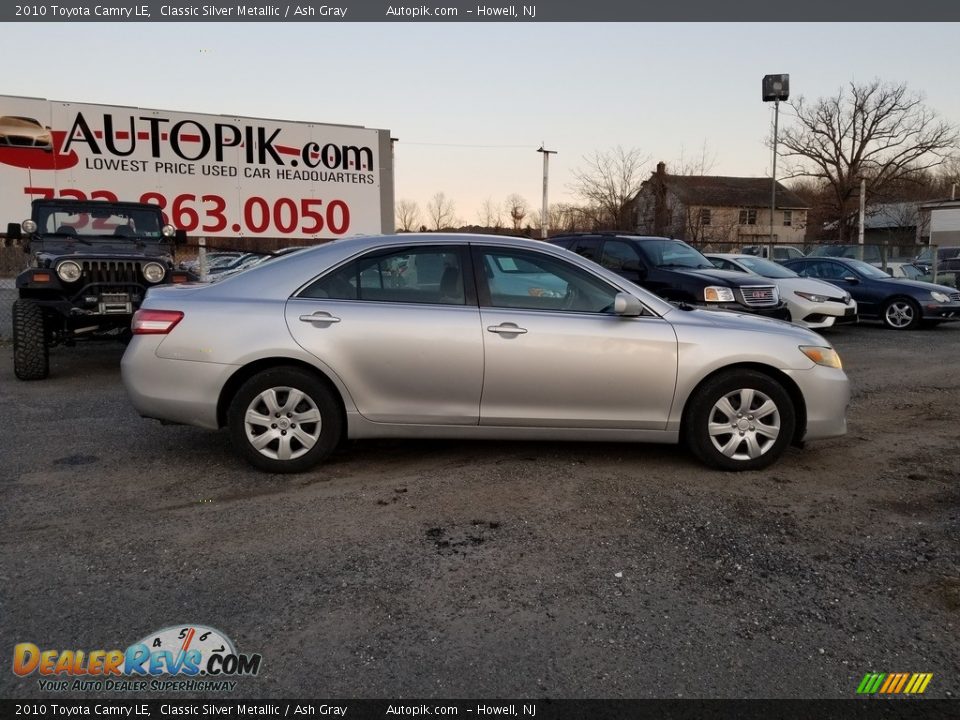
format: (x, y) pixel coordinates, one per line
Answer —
(401, 328)
(555, 355)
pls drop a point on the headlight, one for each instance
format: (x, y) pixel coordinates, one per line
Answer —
(847, 297)
(29, 226)
(812, 297)
(154, 272)
(168, 231)
(69, 271)
(718, 294)
(939, 296)
(822, 355)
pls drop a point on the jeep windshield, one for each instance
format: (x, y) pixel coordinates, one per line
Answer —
(674, 254)
(98, 221)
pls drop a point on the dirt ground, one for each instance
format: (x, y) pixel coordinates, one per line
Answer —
(455, 569)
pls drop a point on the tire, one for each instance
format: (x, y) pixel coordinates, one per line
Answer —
(31, 356)
(751, 441)
(901, 313)
(305, 443)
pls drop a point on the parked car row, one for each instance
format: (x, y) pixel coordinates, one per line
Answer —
(813, 291)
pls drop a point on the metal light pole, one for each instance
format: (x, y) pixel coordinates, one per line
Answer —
(775, 88)
(545, 212)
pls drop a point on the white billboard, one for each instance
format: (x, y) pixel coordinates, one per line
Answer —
(213, 175)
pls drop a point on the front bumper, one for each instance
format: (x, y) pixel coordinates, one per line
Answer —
(826, 393)
(777, 312)
(941, 311)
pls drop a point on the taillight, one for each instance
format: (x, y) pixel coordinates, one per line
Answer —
(155, 322)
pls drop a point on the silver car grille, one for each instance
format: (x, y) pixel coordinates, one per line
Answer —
(955, 296)
(759, 295)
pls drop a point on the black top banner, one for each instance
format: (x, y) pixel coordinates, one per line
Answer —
(861, 12)
(486, 709)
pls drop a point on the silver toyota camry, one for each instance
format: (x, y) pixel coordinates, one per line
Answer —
(471, 336)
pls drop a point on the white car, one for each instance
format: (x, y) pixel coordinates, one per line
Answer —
(812, 303)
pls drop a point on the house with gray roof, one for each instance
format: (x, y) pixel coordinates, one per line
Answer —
(712, 208)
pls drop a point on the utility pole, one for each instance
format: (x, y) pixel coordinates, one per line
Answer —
(545, 212)
(775, 89)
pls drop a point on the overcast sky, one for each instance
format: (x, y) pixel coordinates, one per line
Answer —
(471, 103)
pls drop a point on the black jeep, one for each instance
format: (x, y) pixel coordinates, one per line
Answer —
(92, 263)
(677, 272)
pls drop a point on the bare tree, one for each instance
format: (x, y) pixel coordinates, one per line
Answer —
(489, 215)
(517, 208)
(441, 211)
(408, 214)
(608, 182)
(877, 132)
(700, 163)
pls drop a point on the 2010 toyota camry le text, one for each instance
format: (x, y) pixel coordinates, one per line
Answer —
(470, 336)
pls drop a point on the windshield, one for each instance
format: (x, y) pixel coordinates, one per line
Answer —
(673, 254)
(911, 272)
(766, 268)
(868, 270)
(88, 221)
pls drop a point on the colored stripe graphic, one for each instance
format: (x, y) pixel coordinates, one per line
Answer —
(894, 683)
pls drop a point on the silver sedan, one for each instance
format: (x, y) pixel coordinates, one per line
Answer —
(470, 336)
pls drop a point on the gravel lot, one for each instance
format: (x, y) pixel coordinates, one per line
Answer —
(406, 569)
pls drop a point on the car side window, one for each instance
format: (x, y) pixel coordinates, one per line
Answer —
(431, 275)
(619, 255)
(588, 248)
(726, 265)
(530, 281)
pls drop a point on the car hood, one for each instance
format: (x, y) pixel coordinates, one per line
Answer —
(920, 285)
(732, 320)
(723, 277)
(809, 285)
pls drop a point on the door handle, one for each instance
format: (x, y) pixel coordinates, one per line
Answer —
(319, 317)
(507, 329)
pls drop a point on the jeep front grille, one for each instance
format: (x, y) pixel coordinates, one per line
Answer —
(759, 295)
(96, 272)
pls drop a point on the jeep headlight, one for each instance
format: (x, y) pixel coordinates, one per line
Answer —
(154, 272)
(826, 356)
(29, 226)
(69, 271)
(939, 296)
(168, 231)
(714, 293)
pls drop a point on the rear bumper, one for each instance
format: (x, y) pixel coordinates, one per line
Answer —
(176, 391)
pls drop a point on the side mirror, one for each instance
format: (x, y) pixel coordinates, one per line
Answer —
(851, 279)
(180, 237)
(13, 231)
(627, 305)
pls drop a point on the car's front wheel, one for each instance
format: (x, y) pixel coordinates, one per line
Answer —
(740, 420)
(901, 314)
(284, 420)
(31, 359)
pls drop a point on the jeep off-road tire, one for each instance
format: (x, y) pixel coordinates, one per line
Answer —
(31, 360)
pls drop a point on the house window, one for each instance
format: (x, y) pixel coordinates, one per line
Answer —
(748, 217)
(704, 216)
(787, 218)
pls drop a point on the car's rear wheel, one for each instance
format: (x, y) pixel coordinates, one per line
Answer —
(285, 420)
(740, 420)
(31, 358)
(901, 314)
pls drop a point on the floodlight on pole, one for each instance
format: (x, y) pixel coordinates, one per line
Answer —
(545, 213)
(775, 89)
